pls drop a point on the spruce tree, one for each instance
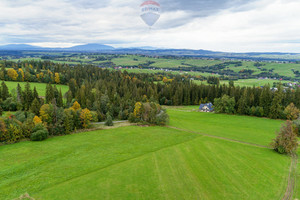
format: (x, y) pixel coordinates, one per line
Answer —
(28, 96)
(243, 106)
(60, 99)
(19, 93)
(49, 93)
(276, 108)
(4, 91)
(266, 99)
(35, 107)
(109, 121)
(35, 94)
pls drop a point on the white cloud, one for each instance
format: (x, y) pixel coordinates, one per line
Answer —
(259, 26)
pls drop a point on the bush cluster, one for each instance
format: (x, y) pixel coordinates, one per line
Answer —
(149, 113)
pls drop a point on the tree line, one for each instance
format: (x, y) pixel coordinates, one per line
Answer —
(103, 93)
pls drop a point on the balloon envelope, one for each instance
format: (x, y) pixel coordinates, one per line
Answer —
(150, 12)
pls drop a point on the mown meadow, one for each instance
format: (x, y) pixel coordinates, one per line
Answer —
(152, 162)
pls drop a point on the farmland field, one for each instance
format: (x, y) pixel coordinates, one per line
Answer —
(244, 128)
(151, 162)
(40, 87)
(248, 82)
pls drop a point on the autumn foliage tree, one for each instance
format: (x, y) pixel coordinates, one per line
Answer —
(150, 113)
(291, 112)
(286, 140)
(12, 74)
(86, 117)
(37, 120)
(76, 106)
(57, 79)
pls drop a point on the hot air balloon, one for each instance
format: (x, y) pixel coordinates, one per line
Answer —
(150, 12)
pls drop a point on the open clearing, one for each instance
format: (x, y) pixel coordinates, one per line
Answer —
(248, 82)
(244, 128)
(151, 162)
(40, 87)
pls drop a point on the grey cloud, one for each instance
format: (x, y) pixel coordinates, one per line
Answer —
(89, 4)
(203, 8)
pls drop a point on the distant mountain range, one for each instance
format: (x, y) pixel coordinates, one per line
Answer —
(159, 52)
(85, 47)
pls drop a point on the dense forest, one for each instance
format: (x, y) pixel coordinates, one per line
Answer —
(96, 93)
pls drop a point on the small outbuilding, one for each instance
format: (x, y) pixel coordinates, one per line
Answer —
(208, 107)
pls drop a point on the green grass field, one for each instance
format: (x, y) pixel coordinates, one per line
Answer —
(248, 82)
(151, 162)
(41, 87)
(248, 129)
(297, 189)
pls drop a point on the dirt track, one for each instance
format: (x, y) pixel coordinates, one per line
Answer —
(292, 178)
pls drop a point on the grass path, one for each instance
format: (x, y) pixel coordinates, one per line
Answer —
(292, 180)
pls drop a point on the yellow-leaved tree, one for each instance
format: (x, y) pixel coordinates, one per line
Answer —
(37, 120)
(86, 117)
(56, 79)
(13, 74)
(76, 106)
(137, 109)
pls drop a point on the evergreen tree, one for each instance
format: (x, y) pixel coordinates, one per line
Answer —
(19, 94)
(49, 93)
(60, 99)
(109, 121)
(243, 107)
(69, 98)
(35, 94)
(35, 107)
(266, 99)
(73, 86)
(276, 109)
(4, 91)
(28, 96)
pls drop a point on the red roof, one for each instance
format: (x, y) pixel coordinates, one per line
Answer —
(150, 3)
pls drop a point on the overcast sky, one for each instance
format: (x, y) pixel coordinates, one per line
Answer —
(221, 25)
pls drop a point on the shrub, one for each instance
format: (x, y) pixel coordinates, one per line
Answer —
(286, 140)
(162, 119)
(132, 118)
(150, 113)
(291, 112)
(225, 105)
(94, 116)
(297, 126)
(109, 121)
(39, 127)
(27, 128)
(39, 135)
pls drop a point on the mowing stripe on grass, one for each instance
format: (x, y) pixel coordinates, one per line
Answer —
(115, 164)
(222, 138)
